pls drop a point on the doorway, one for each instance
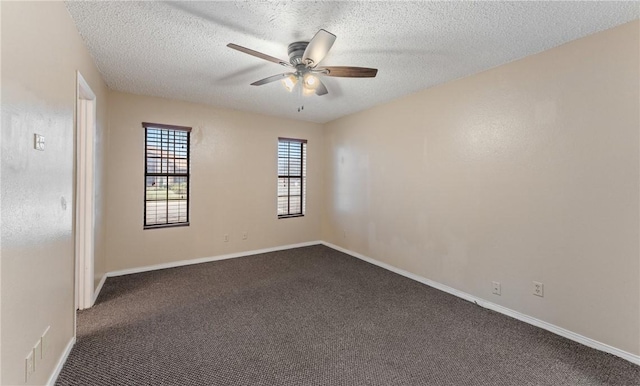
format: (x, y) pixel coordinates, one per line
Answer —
(85, 193)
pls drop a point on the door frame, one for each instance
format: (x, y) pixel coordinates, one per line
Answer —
(85, 193)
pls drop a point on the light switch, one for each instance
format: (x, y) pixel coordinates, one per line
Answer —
(38, 142)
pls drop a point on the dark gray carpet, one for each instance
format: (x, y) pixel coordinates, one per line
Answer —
(313, 316)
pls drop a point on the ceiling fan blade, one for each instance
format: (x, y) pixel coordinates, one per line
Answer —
(321, 89)
(270, 79)
(349, 72)
(259, 55)
(318, 48)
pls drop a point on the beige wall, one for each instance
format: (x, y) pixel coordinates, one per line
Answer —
(41, 51)
(233, 182)
(525, 172)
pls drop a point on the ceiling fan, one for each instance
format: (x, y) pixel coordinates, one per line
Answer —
(304, 58)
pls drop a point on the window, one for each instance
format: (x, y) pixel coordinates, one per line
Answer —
(292, 177)
(166, 174)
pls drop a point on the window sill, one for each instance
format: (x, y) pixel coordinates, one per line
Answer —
(290, 216)
(159, 226)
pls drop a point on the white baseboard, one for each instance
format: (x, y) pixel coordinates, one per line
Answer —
(63, 358)
(498, 308)
(97, 291)
(181, 263)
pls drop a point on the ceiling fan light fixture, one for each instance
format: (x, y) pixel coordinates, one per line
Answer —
(310, 81)
(290, 82)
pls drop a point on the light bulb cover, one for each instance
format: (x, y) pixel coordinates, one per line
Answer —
(310, 81)
(290, 82)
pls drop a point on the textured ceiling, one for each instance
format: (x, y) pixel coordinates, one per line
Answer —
(178, 49)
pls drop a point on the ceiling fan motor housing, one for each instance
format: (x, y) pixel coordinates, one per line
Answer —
(296, 50)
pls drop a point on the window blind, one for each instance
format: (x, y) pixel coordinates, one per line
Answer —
(166, 175)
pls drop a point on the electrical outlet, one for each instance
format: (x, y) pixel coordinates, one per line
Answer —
(538, 289)
(245, 235)
(226, 237)
(29, 366)
(496, 288)
(44, 343)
